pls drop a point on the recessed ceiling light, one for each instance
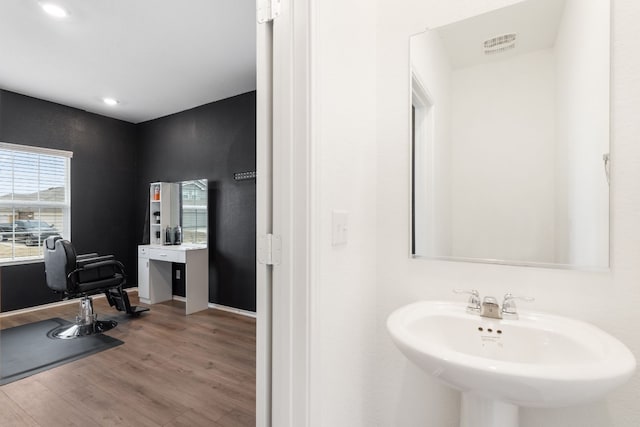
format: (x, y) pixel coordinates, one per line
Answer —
(110, 101)
(54, 10)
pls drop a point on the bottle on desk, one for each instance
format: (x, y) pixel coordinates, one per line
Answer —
(177, 235)
(168, 236)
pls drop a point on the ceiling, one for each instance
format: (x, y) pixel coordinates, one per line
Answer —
(534, 22)
(156, 57)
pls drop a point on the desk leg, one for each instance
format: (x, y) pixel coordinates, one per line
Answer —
(160, 288)
(197, 281)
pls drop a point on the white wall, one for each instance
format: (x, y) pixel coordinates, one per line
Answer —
(582, 54)
(343, 175)
(503, 161)
(405, 395)
(430, 64)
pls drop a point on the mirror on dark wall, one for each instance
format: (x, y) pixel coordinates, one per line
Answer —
(193, 211)
(510, 136)
(178, 213)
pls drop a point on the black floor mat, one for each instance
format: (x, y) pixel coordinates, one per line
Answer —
(26, 350)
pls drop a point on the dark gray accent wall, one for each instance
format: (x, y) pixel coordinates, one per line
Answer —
(113, 163)
(212, 141)
(103, 172)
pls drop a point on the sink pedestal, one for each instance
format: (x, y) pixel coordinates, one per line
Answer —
(477, 411)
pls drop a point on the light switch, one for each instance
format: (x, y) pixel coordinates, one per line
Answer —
(339, 226)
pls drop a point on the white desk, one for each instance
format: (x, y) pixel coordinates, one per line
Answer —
(154, 274)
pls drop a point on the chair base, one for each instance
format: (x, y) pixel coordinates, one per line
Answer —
(78, 330)
(86, 324)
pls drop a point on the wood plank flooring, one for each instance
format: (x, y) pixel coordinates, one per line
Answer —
(172, 370)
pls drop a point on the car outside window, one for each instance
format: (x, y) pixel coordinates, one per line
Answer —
(35, 200)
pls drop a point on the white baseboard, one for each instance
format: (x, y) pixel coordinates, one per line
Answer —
(239, 311)
(129, 290)
(53, 304)
(222, 307)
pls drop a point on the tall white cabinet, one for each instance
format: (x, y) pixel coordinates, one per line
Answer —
(155, 259)
(164, 210)
(143, 274)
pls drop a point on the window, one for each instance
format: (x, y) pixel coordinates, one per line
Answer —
(35, 200)
(194, 211)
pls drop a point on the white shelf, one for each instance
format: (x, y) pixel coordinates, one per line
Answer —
(166, 207)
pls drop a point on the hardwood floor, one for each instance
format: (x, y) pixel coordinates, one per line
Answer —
(172, 370)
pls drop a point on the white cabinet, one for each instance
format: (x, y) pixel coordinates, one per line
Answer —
(155, 260)
(154, 274)
(143, 274)
(164, 210)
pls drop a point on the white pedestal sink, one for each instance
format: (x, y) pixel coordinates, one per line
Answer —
(538, 360)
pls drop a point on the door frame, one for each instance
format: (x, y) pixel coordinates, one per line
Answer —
(284, 302)
(264, 218)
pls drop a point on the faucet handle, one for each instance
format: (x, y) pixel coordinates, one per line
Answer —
(473, 304)
(509, 309)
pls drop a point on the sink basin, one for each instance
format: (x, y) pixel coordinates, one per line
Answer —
(538, 360)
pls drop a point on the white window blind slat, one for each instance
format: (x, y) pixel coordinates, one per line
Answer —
(34, 199)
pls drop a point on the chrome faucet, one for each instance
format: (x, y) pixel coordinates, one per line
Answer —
(473, 303)
(509, 309)
(490, 307)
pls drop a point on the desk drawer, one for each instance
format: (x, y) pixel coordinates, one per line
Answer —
(167, 255)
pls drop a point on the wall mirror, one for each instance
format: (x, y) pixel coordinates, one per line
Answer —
(193, 211)
(510, 136)
(181, 203)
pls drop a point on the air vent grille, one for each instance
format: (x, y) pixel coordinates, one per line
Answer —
(500, 44)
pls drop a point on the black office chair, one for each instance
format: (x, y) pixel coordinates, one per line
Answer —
(81, 276)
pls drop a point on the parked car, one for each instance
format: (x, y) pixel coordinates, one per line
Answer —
(6, 231)
(32, 232)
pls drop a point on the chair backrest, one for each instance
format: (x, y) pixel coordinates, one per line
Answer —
(59, 261)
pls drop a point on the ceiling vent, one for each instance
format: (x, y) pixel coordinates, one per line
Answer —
(500, 44)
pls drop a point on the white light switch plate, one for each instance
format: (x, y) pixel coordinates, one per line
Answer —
(339, 227)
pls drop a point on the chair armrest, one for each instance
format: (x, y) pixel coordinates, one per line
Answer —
(81, 262)
(84, 256)
(95, 265)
